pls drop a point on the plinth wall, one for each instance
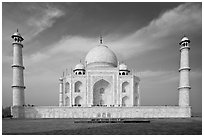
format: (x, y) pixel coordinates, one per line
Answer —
(101, 112)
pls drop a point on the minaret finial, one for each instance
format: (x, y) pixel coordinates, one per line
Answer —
(101, 39)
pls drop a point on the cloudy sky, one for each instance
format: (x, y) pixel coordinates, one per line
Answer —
(143, 35)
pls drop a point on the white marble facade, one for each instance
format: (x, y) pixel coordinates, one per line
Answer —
(101, 81)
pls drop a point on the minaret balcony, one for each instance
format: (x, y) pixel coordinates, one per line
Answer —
(13, 86)
(189, 87)
(18, 43)
(184, 47)
(19, 66)
(185, 68)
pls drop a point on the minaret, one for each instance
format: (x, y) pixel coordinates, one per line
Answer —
(184, 70)
(60, 92)
(18, 78)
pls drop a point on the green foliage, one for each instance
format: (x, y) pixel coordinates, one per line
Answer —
(6, 112)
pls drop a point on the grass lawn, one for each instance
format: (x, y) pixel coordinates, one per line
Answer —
(67, 126)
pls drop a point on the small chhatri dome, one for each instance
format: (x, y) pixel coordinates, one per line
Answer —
(101, 56)
(17, 34)
(184, 39)
(79, 66)
(123, 67)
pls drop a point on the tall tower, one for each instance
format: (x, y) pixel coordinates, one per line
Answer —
(18, 78)
(61, 91)
(184, 86)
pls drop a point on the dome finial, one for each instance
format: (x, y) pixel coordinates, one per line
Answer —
(17, 29)
(101, 39)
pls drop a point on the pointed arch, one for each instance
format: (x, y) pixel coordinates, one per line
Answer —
(124, 101)
(136, 101)
(136, 88)
(125, 87)
(101, 102)
(67, 101)
(78, 86)
(78, 100)
(101, 92)
(67, 87)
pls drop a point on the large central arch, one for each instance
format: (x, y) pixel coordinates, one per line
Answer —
(102, 93)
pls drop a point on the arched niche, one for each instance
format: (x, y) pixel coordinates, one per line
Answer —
(124, 101)
(78, 86)
(101, 93)
(136, 101)
(78, 100)
(67, 87)
(125, 87)
(67, 101)
(136, 87)
(101, 102)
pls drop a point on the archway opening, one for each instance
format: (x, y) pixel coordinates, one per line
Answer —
(67, 101)
(67, 87)
(78, 101)
(125, 87)
(124, 101)
(78, 86)
(101, 102)
(101, 93)
(136, 101)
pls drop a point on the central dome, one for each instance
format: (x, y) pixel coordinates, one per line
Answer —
(101, 56)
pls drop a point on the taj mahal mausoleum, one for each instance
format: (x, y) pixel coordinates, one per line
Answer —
(101, 87)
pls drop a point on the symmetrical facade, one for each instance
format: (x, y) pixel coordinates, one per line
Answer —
(100, 82)
(99, 88)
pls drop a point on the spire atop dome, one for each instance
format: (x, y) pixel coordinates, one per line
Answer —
(101, 39)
